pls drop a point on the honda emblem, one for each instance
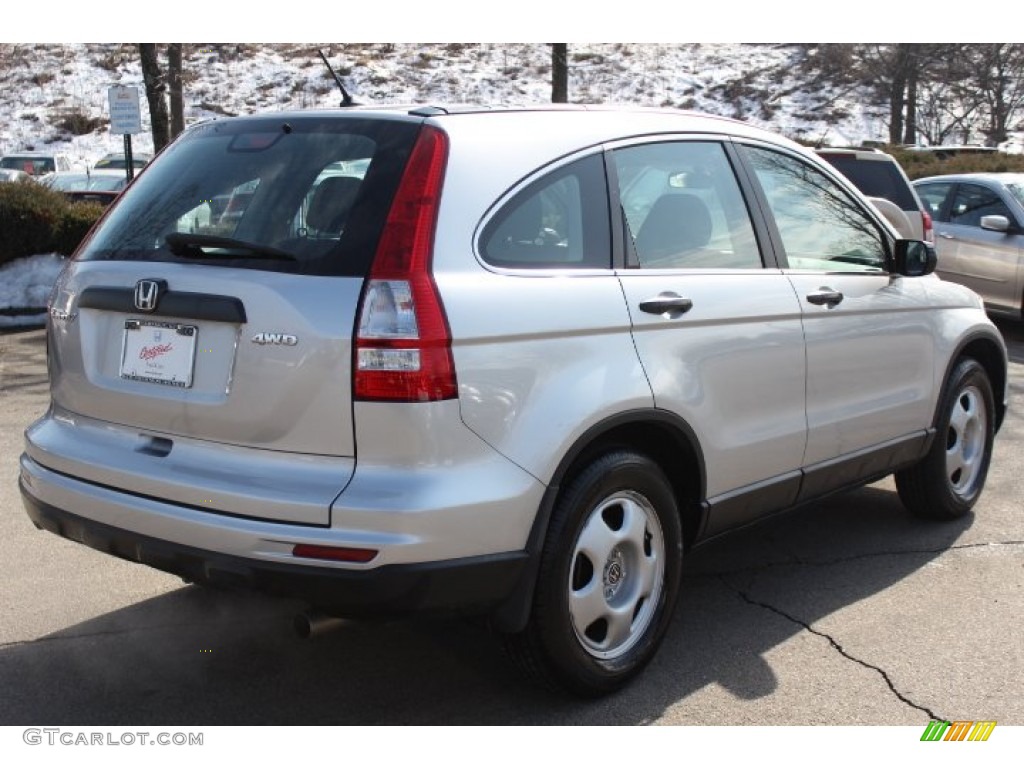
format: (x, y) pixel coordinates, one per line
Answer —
(147, 294)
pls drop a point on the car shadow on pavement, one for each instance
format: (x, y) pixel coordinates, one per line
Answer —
(195, 656)
(1013, 335)
(20, 354)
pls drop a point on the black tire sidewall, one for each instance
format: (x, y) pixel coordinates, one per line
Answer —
(967, 373)
(611, 473)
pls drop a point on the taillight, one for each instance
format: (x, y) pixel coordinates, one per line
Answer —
(403, 344)
(926, 221)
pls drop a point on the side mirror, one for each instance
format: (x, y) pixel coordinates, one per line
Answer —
(914, 258)
(995, 223)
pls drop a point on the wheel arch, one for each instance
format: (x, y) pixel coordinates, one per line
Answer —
(989, 354)
(666, 439)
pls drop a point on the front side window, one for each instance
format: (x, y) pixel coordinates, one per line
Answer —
(559, 221)
(683, 208)
(821, 226)
(973, 201)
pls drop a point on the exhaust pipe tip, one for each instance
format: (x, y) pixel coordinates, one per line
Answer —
(310, 624)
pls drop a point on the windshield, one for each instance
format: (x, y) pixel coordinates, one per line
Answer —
(316, 188)
(119, 163)
(1017, 190)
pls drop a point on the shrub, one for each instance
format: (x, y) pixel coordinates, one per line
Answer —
(921, 164)
(74, 225)
(29, 216)
(34, 219)
(78, 123)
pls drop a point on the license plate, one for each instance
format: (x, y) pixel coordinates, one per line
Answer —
(161, 353)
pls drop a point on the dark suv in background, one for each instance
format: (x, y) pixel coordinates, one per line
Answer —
(883, 181)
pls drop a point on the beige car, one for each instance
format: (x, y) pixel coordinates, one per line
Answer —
(979, 227)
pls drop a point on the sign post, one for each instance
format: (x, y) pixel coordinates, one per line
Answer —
(125, 118)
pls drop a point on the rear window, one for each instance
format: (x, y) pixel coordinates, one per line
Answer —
(306, 195)
(875, 178)
(36, 166)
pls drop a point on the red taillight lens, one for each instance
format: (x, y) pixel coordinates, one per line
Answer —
(926, 221)
(340, 554)
(403, 344)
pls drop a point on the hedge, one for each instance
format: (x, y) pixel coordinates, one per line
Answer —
(918, 165)
(35, 219)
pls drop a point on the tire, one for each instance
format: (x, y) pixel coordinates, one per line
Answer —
(947, 482)
(608, 578)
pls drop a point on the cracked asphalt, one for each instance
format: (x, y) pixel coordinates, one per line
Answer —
(848, 612)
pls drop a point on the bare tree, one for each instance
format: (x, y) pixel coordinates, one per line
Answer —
(174, 80)
(559, 73)
(948, 104)
(887, 68)
(999, 78)
(909, 74)
(151, 77)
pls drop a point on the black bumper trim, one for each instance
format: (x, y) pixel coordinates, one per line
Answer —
(472, 585)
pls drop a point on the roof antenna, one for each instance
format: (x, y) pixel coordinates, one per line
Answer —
(346, 99)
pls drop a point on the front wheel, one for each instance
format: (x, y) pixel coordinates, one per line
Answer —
(608, 578)
(947, 482)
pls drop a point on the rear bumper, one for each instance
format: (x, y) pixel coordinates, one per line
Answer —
(465, 585)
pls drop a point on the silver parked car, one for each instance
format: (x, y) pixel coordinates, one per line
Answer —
(979, 223)
(509, 362)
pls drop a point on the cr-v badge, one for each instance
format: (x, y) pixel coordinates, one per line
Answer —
(285, 339)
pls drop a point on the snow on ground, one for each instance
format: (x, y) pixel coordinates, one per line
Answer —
(26, 283)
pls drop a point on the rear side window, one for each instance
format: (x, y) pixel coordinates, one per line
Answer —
(302, 194)
(934, 195)
(683, 208)
(559, 221)
(875, 178)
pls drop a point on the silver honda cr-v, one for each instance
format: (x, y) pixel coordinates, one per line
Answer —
(512, 363)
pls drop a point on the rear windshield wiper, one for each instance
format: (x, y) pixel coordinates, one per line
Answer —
(196, 247)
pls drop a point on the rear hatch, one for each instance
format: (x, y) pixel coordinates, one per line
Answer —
(215, 304)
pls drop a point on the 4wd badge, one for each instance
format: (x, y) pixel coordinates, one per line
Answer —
(284, 339)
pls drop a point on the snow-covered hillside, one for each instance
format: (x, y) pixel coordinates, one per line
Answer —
(46, 89)
(54, 97)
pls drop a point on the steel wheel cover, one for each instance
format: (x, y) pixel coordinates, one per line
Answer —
(616, 575)
(965, 441)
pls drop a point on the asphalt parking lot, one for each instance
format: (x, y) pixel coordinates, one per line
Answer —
(846, 613)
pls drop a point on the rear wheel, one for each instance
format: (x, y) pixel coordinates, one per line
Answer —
(608, 578)
(947, 482)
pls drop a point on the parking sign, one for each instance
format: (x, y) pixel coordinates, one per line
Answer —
(125, 116)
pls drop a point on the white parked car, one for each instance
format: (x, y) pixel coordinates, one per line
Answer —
(36, 163)
(519, 367)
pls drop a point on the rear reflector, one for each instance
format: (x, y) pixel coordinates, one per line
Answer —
(339, 554)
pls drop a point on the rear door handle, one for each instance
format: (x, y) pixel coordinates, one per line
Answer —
(825, 296)
(666, 303)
